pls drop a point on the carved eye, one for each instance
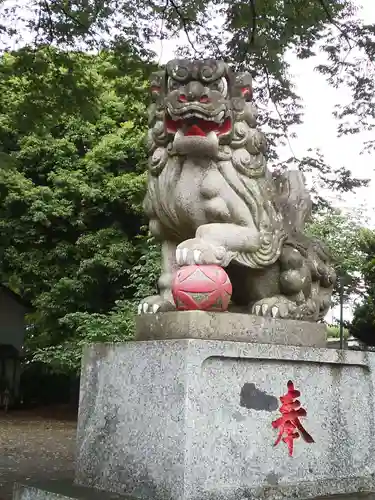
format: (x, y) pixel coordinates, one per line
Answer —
(173, 84)
(221, 86)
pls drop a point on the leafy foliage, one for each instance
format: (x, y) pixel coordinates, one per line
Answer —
(71, 140)
(116, 325)
(259, 35)
(363, 324)
(342, 233)
(334, 332)
(71, 184)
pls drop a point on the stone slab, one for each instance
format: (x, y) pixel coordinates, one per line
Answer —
(57, 490)
(54, 490)
(235, 327)
(191, 420)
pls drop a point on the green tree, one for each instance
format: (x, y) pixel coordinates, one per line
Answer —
(72, 178)
(333, 331)
(116, 325)
(363, 324)
(259, 35)
(72, 127)
(342, 233)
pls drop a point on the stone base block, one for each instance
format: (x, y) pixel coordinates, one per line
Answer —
(55, 490)
(235, 327)
(191, 420)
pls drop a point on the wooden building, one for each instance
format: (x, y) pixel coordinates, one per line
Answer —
(12, 334)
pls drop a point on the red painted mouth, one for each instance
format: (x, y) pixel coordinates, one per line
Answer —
(198, 127)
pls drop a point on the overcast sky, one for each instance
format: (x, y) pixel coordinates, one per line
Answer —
(319, 127)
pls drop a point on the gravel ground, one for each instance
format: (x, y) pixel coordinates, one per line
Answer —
(35, 445)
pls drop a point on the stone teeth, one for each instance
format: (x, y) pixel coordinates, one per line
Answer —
(197, 256)
(212, 137)
(220, 116)
(196, 115)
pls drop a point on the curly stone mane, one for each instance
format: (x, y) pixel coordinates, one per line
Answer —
(212, 201)
(242, 165)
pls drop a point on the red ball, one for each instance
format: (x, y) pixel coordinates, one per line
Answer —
(204, 288)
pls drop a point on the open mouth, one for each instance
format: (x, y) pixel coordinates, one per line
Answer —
(194, 124)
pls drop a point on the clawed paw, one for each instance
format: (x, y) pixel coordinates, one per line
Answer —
(145, 308)
(200, 252)
(184, 256)
(155, 304)
(276, 307)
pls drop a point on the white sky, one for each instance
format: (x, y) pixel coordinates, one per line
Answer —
(319, 128)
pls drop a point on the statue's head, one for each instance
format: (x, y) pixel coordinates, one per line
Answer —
(199, 100)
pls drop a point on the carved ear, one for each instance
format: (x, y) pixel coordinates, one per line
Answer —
(247, 93)
(156, 84)
(243, 86)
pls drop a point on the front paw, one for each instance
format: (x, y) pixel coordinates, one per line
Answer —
(281, 307)
(202, 252)
(155, 304)
(276, 307)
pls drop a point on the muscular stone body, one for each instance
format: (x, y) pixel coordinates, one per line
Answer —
(212, 200)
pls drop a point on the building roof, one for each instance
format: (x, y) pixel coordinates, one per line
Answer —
(17, 298)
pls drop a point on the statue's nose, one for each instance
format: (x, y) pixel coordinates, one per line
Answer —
(194, 92)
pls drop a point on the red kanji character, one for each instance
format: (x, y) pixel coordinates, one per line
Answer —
(289, 423)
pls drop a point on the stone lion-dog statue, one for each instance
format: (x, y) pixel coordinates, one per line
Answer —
(212, 200)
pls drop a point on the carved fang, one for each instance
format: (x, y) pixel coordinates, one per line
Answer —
(185, 252)
(197, 256)
(274, 311)
(179, 257)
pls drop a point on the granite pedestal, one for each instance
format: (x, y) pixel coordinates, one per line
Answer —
(189, 419)
(234, 327)
(57, 490)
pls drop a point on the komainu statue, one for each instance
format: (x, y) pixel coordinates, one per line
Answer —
(212, 200)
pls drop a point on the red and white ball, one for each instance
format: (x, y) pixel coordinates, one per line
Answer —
(204, 288)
